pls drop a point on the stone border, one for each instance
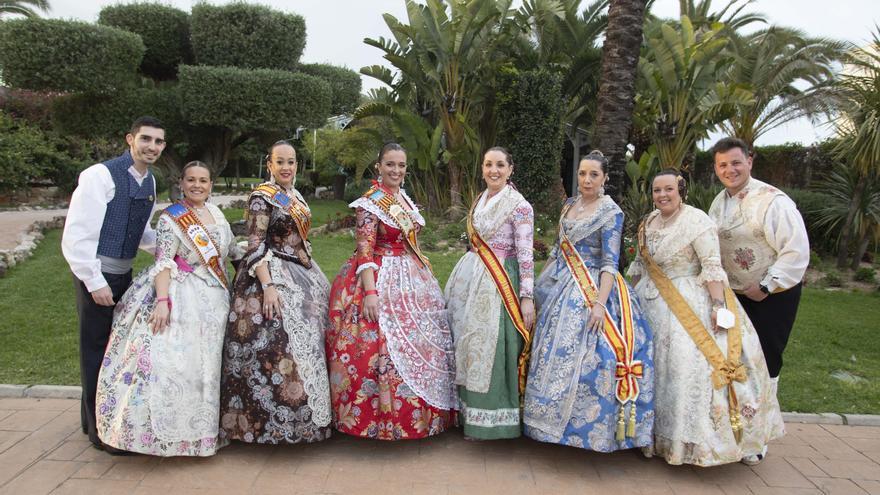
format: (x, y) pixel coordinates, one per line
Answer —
(74, 392)
(27, 242)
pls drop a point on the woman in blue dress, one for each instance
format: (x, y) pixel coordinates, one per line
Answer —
(590, 382)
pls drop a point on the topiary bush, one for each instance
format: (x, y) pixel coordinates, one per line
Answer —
(163, 29)
(345, 84)
(529, 109)
(252, 99)
(54, 55)
(246, 35)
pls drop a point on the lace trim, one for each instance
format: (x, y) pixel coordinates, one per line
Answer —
(585, 227)
(371, 207)
(305, 342)
(489, 220)
(252, 271)
(364, 266)
(490, 417)
(690, 224)
(712, 273)
(160, 265)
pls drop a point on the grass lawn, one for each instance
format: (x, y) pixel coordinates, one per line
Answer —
(834, 330)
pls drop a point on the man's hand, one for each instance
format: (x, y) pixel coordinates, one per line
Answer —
(103, 296)
(754, 293)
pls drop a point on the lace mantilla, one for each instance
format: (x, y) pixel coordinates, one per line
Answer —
(371, 207)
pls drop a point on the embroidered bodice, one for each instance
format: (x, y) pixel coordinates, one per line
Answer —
(270, 229)
(596, 237)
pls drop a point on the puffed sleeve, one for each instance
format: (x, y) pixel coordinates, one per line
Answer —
(784, 230)
(258, 215)
(611, 232)
(365, 235)
(524, 239)
(167, 245)
(709, 254)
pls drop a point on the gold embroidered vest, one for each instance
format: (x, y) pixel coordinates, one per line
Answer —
(745, 253)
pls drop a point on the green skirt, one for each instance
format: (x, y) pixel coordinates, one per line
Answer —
(497, 414)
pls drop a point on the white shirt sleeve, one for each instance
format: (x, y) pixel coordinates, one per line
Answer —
(785, 231)
(82, 229)
(148, 239)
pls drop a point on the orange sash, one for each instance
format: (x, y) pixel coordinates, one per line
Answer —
(201, 242)
(278, 198)
(620, 338)
(508, 296)
(388, 204)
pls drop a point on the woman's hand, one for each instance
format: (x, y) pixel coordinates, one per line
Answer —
(160, 317)
(528, 311)
(597, 317)
(271, 303)
(371, 307)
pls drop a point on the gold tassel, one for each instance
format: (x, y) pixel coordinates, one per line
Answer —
(736, 425)
(621, 426)
(631, 427)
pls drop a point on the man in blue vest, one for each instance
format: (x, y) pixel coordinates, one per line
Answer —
(107, 221)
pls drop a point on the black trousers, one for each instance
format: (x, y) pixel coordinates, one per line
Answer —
(773, 319)
(94, 334)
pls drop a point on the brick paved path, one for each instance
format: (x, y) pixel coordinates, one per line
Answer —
(43, 451)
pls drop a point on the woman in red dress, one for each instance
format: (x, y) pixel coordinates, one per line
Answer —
(389, 346)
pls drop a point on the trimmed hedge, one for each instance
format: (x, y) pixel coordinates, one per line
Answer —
(529, 107)
(111, 115)
(246, 35)
(55, 55)
(345, 83)
(254, 100)
(163, 29)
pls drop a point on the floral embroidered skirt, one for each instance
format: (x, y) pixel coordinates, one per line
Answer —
(274, 387)
(369, 392)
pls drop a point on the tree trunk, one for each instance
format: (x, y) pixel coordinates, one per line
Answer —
(846, 233)
(617, 86)
(861, 248)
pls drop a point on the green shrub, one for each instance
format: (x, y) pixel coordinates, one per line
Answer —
(163, 29)
(815, 260)
(246, 35)
(700, 196)
(811, 204)
(27, 154)
(345, 84)
(832, 279)
(529, 109)
(865, 274)
(258, 99)
(55, 55)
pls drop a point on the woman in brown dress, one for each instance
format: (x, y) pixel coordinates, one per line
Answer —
(275, 387)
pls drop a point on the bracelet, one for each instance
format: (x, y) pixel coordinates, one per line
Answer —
(166, 299)
(267, 285)
(600, 304)
(718, 304)
(371, 292)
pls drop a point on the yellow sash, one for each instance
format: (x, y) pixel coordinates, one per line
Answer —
(278, 198)
(508, 296)
(388, 204)
(725, 371)
(621, 338)
(199, 239)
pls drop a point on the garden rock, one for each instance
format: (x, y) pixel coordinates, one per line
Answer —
(847, 377)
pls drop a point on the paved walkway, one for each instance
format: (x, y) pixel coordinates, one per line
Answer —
(42, 450)
(15, 223)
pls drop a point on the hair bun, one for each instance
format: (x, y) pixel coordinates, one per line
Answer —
(596, 152)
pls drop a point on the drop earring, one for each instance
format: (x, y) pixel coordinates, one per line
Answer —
(601, 191)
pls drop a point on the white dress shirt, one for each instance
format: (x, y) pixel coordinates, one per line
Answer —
(85, 217)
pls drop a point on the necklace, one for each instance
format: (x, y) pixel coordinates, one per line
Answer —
(581, 206)
(665, 221)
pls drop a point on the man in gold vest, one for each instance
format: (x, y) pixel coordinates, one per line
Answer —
(764, 247)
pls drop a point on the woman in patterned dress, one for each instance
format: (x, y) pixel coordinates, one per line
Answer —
(275, 387)
(159, 385)
(389, 347)
(714, 402)
(490, 336)
(575, 394)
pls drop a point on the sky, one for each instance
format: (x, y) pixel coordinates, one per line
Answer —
(336, 29)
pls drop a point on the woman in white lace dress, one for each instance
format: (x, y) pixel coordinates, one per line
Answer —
(159, 384)
(713, 400)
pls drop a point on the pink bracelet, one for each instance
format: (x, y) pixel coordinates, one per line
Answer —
(166, 299)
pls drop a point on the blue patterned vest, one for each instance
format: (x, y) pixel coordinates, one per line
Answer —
(128, 212)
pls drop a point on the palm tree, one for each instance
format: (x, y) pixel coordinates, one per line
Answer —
(774, 63)
(858, 128)
(441, 56)
(681, 91)
(732, 15)
(23, 7)
(617, 85)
